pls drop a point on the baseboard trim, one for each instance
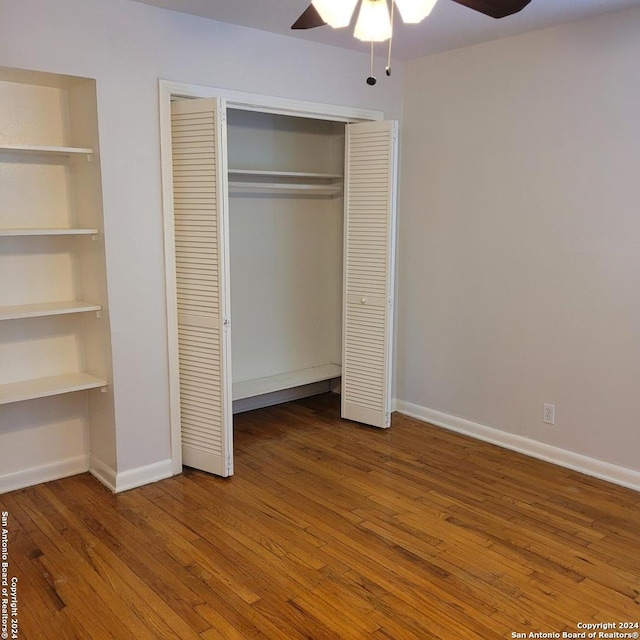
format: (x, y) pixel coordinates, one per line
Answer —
(104, 473)
(43, 473)
(134, 478)
(623, 476)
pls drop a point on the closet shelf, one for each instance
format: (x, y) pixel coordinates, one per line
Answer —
(280, 188)
(285, 174)
(47, 231)
(260, 386)
(298, 183)
(50, 386)
(31, 149)
(42, 309)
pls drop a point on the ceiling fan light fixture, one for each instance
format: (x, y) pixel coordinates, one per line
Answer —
(374, 22)
(414, 11)
(336, 13)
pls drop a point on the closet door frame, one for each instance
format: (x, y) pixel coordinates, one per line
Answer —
(169, 90)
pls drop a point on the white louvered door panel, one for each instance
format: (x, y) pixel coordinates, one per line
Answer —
(370, 185)
(198, 142)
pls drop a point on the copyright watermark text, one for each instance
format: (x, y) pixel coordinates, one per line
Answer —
(8, 586)
(590, 630)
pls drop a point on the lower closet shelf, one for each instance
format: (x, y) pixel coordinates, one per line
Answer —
(270, 384)
(50, 386)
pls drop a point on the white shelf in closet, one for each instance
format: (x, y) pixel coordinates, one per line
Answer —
(46, 231)
(286, 174)
(300, 183)
(32, 149)
(270, 384)
(50, 386)
(43, 309)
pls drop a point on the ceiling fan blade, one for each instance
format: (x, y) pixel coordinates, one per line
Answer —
(495, 8)
(309, 19)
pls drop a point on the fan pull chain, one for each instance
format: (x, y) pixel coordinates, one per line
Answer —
(371, 80)
(388, 69)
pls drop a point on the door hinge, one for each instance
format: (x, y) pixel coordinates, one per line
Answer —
(226, 324)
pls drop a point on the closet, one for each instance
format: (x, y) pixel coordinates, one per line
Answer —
(282, 236)
(54, 332)
(285, 236)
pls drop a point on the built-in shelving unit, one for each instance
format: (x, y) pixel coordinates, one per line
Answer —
(54, 329)
(43, 309)
(49, 386)
(296, 183)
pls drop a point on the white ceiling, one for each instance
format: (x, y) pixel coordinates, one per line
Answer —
(450, 26)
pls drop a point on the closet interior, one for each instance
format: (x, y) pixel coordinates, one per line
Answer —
(285, 185)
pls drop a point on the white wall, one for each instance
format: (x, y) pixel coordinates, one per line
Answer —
(126, 47)
(520, 236)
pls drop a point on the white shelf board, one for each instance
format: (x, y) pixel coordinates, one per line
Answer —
(46, 309)
(286, 174)
(45, 387)
(46, 231)
(260, 386)
(301, 189)
(45, 150)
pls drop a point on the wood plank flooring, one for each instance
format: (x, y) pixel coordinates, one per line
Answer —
(329, 530)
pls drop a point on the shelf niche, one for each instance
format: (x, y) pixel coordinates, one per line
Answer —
(55, 344)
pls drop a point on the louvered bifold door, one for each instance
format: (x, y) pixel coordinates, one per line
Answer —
(370, 184)
(198, 140)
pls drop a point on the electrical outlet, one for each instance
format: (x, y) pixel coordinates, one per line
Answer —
(549, 413)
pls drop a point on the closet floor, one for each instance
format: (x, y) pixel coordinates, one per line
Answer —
(329, 529)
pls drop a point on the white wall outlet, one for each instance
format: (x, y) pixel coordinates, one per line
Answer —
(549, 413)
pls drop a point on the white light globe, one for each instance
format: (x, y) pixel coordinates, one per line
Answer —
(374, 22)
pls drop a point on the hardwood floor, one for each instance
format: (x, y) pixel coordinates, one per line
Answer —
(329, 530)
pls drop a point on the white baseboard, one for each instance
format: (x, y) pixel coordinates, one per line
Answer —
(133, 478)
(44, 473)
(623, 476)
(104, 473)
(125, 480)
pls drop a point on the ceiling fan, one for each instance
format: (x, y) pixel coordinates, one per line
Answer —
(375, 22)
